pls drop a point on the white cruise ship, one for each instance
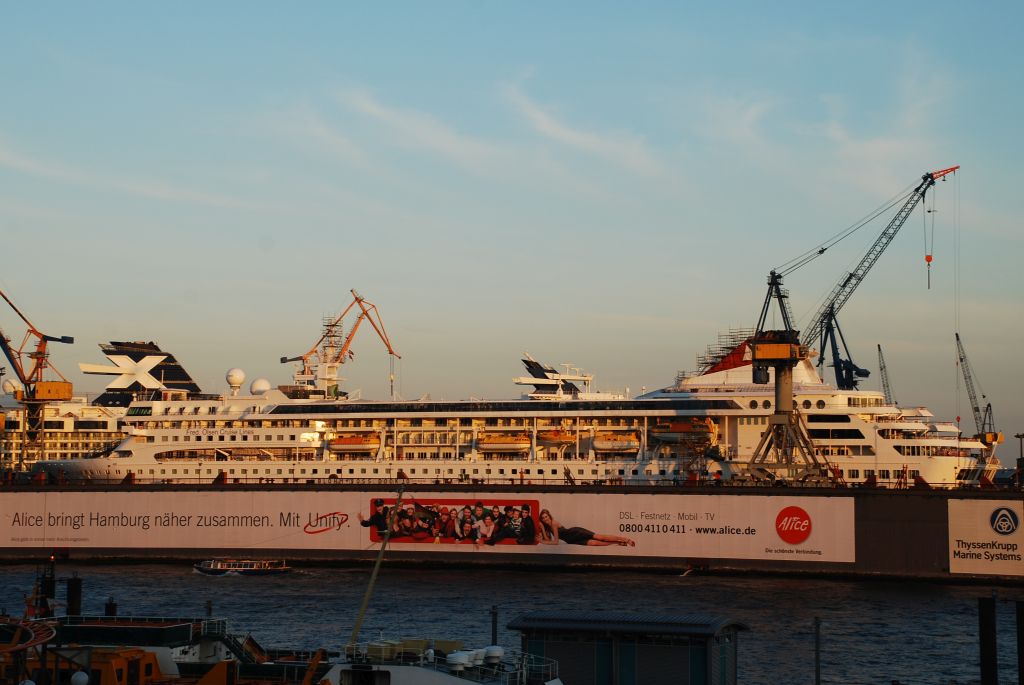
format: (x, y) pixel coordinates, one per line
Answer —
(704, 427)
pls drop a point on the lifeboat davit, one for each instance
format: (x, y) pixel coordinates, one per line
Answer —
(694, 431)
(503, 442)
(556, 437)
(616, 442)
(356, 442)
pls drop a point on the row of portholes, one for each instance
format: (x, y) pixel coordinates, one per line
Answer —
(820, 404)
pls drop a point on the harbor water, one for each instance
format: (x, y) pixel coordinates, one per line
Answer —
(871, 631)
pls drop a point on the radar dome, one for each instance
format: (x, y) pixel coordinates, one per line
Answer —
(235, 378)
(10, 387)
(259, 386)
(80, 678)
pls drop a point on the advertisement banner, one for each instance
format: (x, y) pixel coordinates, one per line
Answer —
(985, 537)
(794, 529)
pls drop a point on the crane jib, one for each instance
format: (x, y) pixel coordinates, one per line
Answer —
(843, 290)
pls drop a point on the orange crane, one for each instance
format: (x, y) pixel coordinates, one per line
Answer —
(29, 361)
(320, 364)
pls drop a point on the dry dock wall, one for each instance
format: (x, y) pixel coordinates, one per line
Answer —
(921, 534)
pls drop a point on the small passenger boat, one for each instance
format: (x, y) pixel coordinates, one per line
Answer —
(616, 442)
(241, 567)
(355, 442)
(699, 432)
(556, 437)
(503, 442)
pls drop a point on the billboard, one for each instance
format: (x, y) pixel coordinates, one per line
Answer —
(985, 537)
(797, 529)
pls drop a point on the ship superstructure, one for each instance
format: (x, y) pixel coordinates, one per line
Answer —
(705, 426)
(80, 426)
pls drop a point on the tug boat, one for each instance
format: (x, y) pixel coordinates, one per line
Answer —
(241, 567)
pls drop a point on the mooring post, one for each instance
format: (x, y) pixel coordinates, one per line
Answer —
(817, 651)
(494, 624)
(987, 635)
(1020, 642)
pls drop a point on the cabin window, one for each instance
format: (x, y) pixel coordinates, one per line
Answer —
(854, 473)
(766, 404)
(884, 473)
(753, 404)
(807, 404)
(820, 404)
(868, 473)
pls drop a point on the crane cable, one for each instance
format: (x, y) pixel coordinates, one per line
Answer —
(956, 292)
(815, 252)
(929, 237)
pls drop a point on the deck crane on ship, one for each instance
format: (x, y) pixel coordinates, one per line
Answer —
(823, 329)
(983, 421)
(319, 366)
(29, 361)
(884, 371)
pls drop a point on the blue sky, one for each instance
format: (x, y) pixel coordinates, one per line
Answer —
(596, 183)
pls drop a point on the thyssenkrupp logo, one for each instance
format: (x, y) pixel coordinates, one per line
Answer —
(793, 525)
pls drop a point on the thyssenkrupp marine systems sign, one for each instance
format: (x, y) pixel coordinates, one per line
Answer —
(985, 537)
(797, 529)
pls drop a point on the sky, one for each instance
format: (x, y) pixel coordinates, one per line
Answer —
(606, 184)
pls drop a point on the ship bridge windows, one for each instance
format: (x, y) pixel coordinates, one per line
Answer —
(140, 411)
(865, 401)
(828, 418)
(835, 434)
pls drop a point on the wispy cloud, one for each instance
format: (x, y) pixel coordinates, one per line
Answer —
(627, 150)
(147, 188)
(310, 126)
(736, 120)
(422, 130)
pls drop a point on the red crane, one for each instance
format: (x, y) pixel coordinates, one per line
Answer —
(320, 364)
(29, 360)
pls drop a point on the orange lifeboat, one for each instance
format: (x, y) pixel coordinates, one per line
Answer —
(355, 442)
(697, 432)
(503, 442)
(556, 437)
(616, 442)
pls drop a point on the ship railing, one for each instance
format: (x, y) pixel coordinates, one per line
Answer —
(513, 668)
(201, 627)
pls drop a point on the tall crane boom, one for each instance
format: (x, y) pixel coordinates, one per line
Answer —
(983, 419)
(846, 285)
(886, 388)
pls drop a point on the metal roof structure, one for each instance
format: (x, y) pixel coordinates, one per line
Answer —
(696, 625)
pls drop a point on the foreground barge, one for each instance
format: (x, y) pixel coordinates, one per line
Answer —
(931, 534)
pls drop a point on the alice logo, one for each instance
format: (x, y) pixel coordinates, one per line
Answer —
(1004, 521)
